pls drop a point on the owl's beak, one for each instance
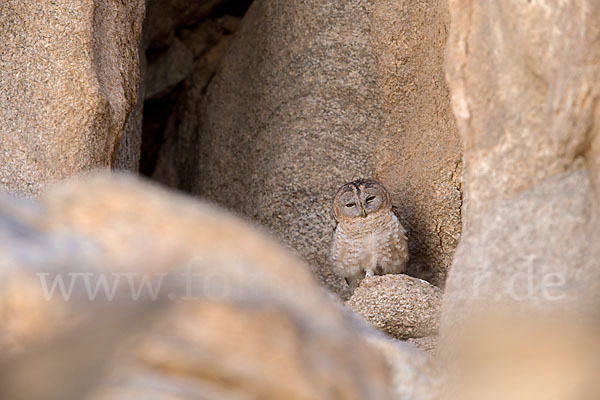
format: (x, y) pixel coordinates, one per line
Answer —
(363, 212)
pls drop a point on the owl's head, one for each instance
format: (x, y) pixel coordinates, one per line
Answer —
(360, 198)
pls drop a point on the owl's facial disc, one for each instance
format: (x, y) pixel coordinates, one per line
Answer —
(349, 204)
(371, 199)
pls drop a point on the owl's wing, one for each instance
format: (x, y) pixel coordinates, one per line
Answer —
(396, 212)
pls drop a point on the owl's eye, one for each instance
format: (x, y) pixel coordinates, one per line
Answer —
(350, 205)
(370, 199)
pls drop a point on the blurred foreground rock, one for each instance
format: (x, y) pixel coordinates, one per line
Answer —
(529, 121)
(69, 77)
(254, 324)
(403, 306)
(512, 354)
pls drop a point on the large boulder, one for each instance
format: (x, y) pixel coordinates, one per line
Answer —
(532, 111)
(403, 306)
(524, 79)
(529, 122)
(228, 313)
(291, 115)
(69, 77)
(418, 153)
(294, 111)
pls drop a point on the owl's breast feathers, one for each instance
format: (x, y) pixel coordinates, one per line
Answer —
(376, 243)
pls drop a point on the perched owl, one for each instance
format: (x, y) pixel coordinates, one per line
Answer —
(369, 238)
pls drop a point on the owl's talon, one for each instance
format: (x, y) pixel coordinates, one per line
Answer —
(369, 274)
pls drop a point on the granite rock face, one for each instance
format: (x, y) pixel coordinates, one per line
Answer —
(541, 112)
(295, 110)
(236, 315)
(530, 153)
(69, 77)
(184, 43)
(129, 153)
(399, 305)
(529, 121)
(418, 154)
(291, 114)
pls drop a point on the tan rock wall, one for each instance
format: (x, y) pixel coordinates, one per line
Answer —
(313, 94)
(290, 116)
(418, 154)
(524, 78)
(69, 75)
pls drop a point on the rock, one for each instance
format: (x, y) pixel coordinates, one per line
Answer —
(528, 121)
(506, 356)
(530, 248)
(174, 163)
(237, 317)
(416, 376)
(428, 344)
(294, 111)
(180, 70)
(418, 154)
(403, 306)
(529, 206)
(130, 147)
(69, 77)
(202, 37)
(164, 17)
(168, 69)
(527, 135)
(290, 116)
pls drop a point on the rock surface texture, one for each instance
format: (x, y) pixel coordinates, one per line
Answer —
(291, 115)
(529, 121)
(184, 43)
(253, 324)
(69, 76)
(531, 159)
(294, 111)
(418, 153)
(400, 305)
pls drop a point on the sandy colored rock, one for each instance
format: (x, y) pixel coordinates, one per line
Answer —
(418, 153)
(530, 209)
(403, 306)
(528, 119)
(294, 111)
(517, 138)
(416, 375)
(254, 322)
(130, 147)
(507, 356)
(531, 248)
(529, 123)
(428, 344)
(69, 76)
(291, 114)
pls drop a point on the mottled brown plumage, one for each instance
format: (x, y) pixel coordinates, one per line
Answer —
(369, 238)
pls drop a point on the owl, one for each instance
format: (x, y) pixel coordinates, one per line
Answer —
(369, 238)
